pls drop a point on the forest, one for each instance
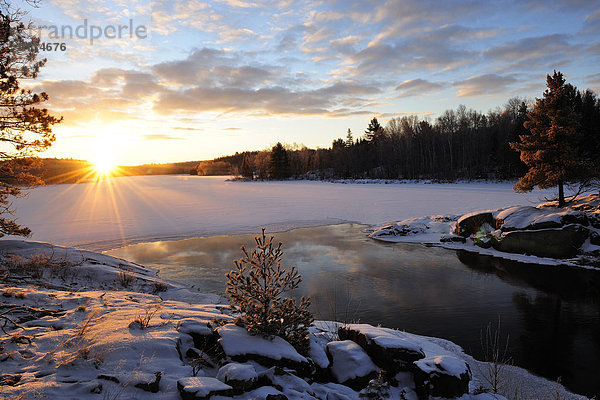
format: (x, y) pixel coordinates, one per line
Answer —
(459, 144)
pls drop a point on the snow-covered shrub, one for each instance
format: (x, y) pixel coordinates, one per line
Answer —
(255, 288)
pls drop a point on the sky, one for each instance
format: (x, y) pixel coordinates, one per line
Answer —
(193, 80)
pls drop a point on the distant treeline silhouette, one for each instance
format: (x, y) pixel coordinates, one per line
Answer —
(460, 144)
(67, 170)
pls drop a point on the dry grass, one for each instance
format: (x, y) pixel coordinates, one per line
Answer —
(144, 319)
(38, 266)
(126, 279)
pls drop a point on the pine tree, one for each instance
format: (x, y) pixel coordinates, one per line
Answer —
(24, 128)
(349, 138)
(373, 130)
(256, 287)
(550, 150)
(279, 166)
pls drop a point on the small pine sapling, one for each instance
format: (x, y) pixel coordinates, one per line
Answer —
(255, 288)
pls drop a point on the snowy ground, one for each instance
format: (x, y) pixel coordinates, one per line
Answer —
(79, 334)
(124, 210)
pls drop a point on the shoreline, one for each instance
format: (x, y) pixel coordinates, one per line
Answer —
(177, 302)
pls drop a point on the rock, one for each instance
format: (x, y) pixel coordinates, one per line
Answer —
(96, 387)
(276, 397)
(272, 351)
(241, 377)
(441, 376)
(452, 238)
(533, 218)
(281, 379)
(318, 355)
(107, 377)
(389, 349)
(595, 239)
(204, 337)
(148, 382)
(9, 379)
(553, 243)
(350, 364)
(469, 224)
(202, 388)
(333, 391)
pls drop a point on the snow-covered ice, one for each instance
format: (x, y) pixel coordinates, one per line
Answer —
(118, 211)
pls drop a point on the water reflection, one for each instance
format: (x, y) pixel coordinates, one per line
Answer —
(551, 314)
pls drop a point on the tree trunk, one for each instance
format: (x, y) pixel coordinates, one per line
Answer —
(561, 194)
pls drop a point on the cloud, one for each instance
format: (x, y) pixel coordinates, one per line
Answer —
(534, 52)
(418, 87)
(592, 23)
(263, 101)
(483, 85)
(160, 136)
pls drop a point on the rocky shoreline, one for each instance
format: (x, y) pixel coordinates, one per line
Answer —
(569, 236)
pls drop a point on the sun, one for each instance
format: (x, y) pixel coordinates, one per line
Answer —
(104, 166)
(104, 160)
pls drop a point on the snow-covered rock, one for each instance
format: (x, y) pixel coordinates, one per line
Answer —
(442, 376)
(241, 377)
(350, 364)
(202, 388)
(388, 348)
(241, 346)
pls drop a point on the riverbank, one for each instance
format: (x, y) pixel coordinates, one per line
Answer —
(89, 325)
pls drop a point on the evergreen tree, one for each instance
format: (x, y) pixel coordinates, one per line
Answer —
(349, 139)
(373, 130)
(256, 287)
(279, 166)
(590, 138)
(24, 128)
(550, 149)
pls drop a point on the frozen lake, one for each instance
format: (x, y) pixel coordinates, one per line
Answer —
(118, 211)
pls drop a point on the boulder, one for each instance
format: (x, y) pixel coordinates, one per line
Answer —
(389, 349)
(595, 239)
(148, 382)
(9, 379)
(533, 218)
(241, 377)
(441, 376)
(452, 238)
(202, 388)
(269, 351)
(205, 339)
(554, 243)
(469, 224)
(278, 378)
(350, 364)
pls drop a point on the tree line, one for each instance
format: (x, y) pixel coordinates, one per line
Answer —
(459, 144)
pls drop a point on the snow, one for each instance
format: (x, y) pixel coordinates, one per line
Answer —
(202, 386)
(235, 340)
(520, 217)
(236, 372)
(85, 348)
(349, 360)
(447, 364)
(385, 337)
(118, 211)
